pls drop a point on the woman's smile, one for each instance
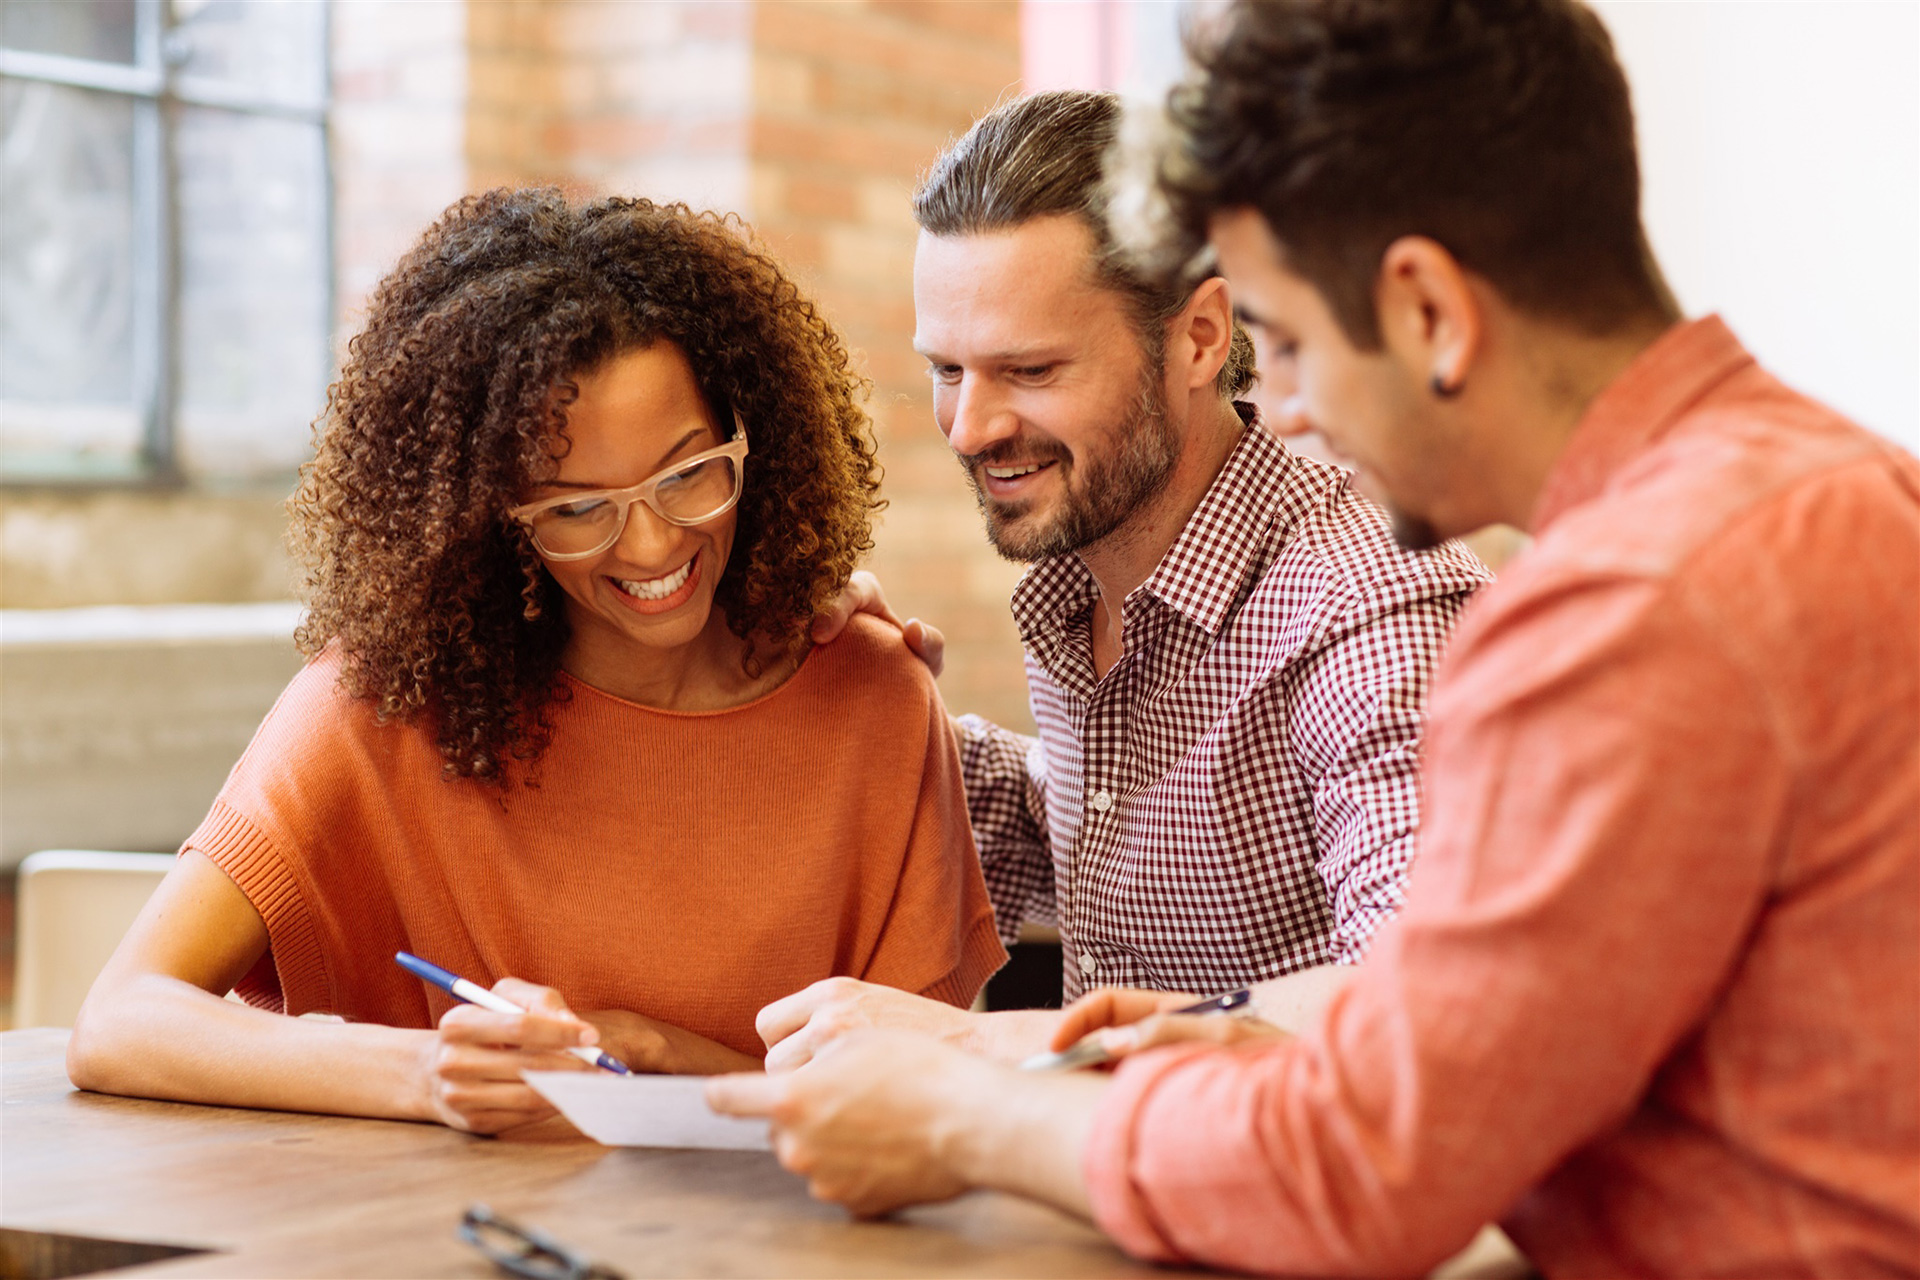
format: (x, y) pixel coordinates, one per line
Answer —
(662, 594)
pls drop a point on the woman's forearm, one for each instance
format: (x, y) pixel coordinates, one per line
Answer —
(155, 1036)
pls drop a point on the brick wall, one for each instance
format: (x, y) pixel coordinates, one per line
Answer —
(852, 103)
(399, 125)
(813, 121)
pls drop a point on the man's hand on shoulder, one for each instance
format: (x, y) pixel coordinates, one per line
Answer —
(862, 594)
(798, 1027)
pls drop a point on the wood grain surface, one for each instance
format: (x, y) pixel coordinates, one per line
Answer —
(279, 1194)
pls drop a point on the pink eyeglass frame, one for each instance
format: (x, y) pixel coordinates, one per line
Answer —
(735, 448)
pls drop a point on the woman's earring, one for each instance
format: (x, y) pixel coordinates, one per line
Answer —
(1442, 390)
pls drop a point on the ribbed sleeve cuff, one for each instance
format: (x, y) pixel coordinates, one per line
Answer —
(980, 958)
(1121, 1206)
(248, 857)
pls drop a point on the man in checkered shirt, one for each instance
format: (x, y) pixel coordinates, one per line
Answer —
(1227, 652)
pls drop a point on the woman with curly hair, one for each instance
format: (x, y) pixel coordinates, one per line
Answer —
(584, 481)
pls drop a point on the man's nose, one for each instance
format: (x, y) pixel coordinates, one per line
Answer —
(978, 418)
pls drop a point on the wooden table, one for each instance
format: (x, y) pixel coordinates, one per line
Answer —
(277, 1194)
(169, 1189)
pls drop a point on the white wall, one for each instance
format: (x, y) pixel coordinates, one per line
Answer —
(1780, 145)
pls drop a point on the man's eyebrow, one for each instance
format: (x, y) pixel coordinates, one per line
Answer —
(1010, 356)
(666, 461)
(1245, 315)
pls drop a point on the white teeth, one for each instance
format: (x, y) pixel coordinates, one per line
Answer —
(1011, 473)
(657, 588)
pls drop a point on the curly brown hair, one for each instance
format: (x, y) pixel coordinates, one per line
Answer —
(451, 408)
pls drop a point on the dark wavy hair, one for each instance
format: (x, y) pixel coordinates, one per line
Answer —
(451, 408)
(1502, 129)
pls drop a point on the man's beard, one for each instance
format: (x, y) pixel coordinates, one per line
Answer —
(1099, 495)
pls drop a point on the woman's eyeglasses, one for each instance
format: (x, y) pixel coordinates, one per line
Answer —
(530, 1254)
(577, 525)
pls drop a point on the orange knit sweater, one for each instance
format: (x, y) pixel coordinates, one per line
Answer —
(689, 867)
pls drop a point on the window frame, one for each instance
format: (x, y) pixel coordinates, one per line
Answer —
(158, 91)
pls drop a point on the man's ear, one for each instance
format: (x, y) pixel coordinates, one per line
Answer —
(1200, 337)
(1429, 317)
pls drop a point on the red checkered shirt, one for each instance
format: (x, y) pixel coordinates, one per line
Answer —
(1237, 797)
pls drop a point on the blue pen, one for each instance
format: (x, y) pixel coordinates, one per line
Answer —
(1089, 1052)
(473, 993)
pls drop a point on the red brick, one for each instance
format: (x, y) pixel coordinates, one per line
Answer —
(812, 198)
(842, 35)
(995, 22)
(855, 148)
(885, 94)
(608, 136)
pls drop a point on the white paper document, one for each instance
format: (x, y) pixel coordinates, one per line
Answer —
(646, 1111)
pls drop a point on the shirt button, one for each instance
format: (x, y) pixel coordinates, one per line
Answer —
(1087, 963)
(1102, 801)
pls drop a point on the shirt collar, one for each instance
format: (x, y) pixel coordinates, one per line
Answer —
(1636, 408)
(1202, 575)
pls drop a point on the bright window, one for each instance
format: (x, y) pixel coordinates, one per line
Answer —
(164, 257)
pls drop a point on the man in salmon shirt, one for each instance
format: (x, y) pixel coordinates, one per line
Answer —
(1654, 1000)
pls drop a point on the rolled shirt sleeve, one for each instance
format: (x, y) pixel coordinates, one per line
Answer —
(1357, 707)
(1006, 779)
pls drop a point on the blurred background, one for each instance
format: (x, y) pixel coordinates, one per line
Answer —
(197, 195)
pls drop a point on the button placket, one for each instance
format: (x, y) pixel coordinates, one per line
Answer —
(1104, 761)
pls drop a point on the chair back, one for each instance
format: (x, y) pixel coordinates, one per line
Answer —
(73, 906)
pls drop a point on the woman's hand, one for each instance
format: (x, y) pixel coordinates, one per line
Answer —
(470, 1069)
(660, 1048)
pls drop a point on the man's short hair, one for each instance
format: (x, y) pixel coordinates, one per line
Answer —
(1500, 128)
(1044, 155)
